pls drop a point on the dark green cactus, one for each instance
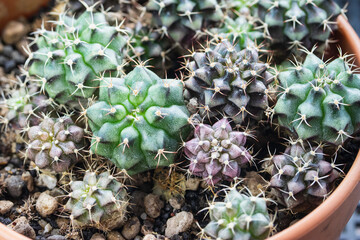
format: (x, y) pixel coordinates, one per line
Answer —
(99, 201)
(139, 120)
(320, 101)
(70, 58)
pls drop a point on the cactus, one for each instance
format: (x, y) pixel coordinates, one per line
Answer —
(301, 175)
(168, 183)
(239, 216)
(139, 120)
(217, 153)
(320, 101)
(98, 200)
(227, 82)
(70, 59)
(54, 143)
(293, 23)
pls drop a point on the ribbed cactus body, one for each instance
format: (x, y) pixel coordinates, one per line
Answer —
(320, 101)
(70, 58)
(139, 120)
(239, 217)
(227, 82)
(97, 200)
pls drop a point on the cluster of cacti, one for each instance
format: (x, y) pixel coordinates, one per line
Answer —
(292, 24)
(226, 82)
(54, 143)
(71, 58)
(319, 100)
(239, 216)
(217, 152)
(169, 183)
(138, 120)
(301, 174)
(97, 200)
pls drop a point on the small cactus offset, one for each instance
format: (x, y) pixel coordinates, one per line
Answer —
(239, 217)
(139, 120)
(217, 152)
(97, 200)
(70, 59)
(225, 82)
(320, 100)
(54, 144)
(292, 24)
(168, 183)
(302, 175)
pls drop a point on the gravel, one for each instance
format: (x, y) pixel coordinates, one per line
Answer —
(153, 205)
(5, 206)
(131, 228)
(46, 204)
(179, 223)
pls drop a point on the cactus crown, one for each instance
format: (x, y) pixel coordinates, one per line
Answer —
(302, 175)
(97, 200)
(138, 121)
(168, 183)
(239, 216)
(320, 100)
(70, 58)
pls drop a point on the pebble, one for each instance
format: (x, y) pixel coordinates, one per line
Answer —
(181, 222)
(97, 236)
(149, 237)
(14, 185)
(47, 228)
(29, 180)
(131, 228)
(114, 235)
(5, 206)
(46, 204)
(62, 223)
(21, 225)
(153, 205)
(14, 31)
(192, 183)
(56, 237)
(45, 180)
(177, 202)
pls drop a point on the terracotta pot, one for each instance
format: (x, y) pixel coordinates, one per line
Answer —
(329, 219)
(13, 9)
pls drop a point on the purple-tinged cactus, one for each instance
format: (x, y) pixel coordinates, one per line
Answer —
(217, 153)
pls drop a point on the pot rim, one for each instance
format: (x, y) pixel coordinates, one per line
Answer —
(323, 211)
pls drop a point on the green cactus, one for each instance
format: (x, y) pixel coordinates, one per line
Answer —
(139, 120)
(238, 217)
(319, 100)
(98, 201)
(225, 82)
(301, 175)
(70, 59)
(295, 23)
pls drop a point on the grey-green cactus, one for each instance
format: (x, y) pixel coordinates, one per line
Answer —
(139, 120)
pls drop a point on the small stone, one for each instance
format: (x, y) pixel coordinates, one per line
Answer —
(46, 204)
(143, 216)
(7, 51)
(47, 228)
(63, 223)
(5, 206)
(138, 238)
(153, 205)
(149, 237)
(9, 66)
(192, 183)
(177, 202)
(45, 180)
(21, 225)
(56, 237)
(131, 228)
(14, 185)
(179, 223)
(114, 235)
(97, 236)
(14, 31)
(29, 180)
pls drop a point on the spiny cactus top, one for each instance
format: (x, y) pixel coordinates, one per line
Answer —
(294, 23)
(227, 82)
(181, 20)
(217, 153)
(239, 217)
(98, 200)
(319, 100)
(139, 120)
(301, 174)
(70, 59)
(168, 183)
(54, 143)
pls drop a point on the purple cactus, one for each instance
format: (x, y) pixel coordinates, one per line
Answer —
(217, 153)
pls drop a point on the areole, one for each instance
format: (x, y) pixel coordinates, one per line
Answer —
(329, 219)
